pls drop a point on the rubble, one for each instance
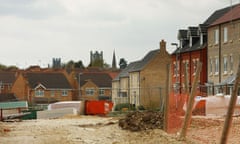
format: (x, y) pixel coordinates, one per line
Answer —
(138, 121)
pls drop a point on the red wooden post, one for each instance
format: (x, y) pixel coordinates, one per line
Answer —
(232, 103)
(1, 115)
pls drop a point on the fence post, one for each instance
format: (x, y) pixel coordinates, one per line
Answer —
(190, 103)
(1, 114)
(232, 103)
(166, 106)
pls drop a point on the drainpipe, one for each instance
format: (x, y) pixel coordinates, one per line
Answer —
(219, 55)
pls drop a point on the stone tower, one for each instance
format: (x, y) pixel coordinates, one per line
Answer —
(114, 66)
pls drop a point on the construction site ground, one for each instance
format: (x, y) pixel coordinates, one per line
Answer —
(106, 130)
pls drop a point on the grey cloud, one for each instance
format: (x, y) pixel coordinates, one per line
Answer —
(30, 9)
(104, 15)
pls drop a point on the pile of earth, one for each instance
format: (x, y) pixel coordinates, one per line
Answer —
(138, 121)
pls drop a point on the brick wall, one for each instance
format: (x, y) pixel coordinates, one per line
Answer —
(230, 48)
(153, 77)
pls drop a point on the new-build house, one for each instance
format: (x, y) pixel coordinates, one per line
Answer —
(193, 47)
(94, 86)
(43, 87)
(6, 81)
(224, 51)
(143, 82)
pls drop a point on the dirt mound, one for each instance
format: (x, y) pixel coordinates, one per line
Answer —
(201, 122)
(138, 121)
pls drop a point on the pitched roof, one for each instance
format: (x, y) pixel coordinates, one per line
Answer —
(217, 14)
(142, 63)
(100, 79)
(7, 77)
(232, 14)
(125, 72)
(192, 31)
(137, 65)
(196, 46)
(7, 97)
(182, 34)
(48, 80)
(202, 28)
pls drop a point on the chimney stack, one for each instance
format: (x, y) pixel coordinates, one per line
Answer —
(163, 45)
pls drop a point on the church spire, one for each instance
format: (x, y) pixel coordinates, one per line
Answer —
(114, 61)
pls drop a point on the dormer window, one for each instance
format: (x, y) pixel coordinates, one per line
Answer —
(181, 43)
(39, 93)
(216, 36)
(201, 39)
(190, 41)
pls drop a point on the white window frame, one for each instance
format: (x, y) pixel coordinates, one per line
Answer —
(64, 92)
(216, 68)
(190, 41)
(231, 63)
(183, 67)
(195, 66)
(39, 93)
(90, 91)
(175, 68)
(187, 65)
(178, 67)
(201, 39)
(216, 36)
(101, 92)
(211, 66)
(225, 64)
(52, 93)
(225, 34)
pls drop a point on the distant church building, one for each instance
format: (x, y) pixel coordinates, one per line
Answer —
(96, 59)
(56, 63)
(114, 65)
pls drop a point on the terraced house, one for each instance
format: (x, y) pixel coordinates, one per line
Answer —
(143, 82)
(224, 50)
(196, 45)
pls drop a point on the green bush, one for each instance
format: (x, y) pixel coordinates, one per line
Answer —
(141, 107)
(119, 107)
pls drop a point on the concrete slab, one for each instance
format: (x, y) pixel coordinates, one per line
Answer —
(56, 113)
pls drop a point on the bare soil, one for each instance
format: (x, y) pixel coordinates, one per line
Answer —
(99, 130)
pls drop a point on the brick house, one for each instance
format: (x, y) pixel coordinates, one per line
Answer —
(43, 87)
(143, 82)
(6, 81)
(94, 85)
(192, 49)
(224, 50)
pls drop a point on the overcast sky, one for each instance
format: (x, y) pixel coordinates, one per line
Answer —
(32, 32)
